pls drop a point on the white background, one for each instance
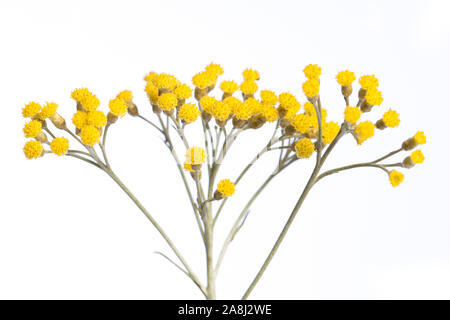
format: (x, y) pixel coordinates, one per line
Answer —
(67, 231)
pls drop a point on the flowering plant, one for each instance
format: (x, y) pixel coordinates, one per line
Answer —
(300, 132)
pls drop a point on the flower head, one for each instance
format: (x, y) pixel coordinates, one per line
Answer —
(312, 71)
(167, 101)
(304, 148)
(31, 109)
(152, 92)
(345, 78)
(125, 95)
(165, 81)
(302, 122)
(249, 87)
(417, 156)
(364, 130)
(352, 114)
(391, 118)
(207, 103)
(188, 113)
(204, 79)
(118, 107)
(226, 187)
(374, 97)
(79, 119)
(195, 156)
(420, 138)
(242, 111)
(188, 167)
(269, 112)
(33, 149)
(229, 86)
(234, 103)
(183, 91)
(395, 177)
(330, 131)
(221, 111)
(90, 135)
(79, 94)
(268, 97)
(59, 146)
(48, 110)
(32, 128)
(150, 76)
(96, 118)
(250, 75)
(90, 102)
(368, 82)
(311, 88)
(214, 69)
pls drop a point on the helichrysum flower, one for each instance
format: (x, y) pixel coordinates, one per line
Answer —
(368, 82)
(214, 68)
(90, 102)
(269, 112)
(411, 143)
(254, 105)
(195, 156)
(249, 87)
(345, 78)
(221, 111)
(352, 114)
(234, 103)
(188, 113)
(226, 188)
(312, 71)
(395, 177)
(90, 135)
(96, 118)
(268, 97)
(330, 131)
(165, 81)
(32, 128)
(420, 138)
(33, 149)
(79, 119)
(229, 86)
(207, 103)
(417, 156)
(391, 118)
(150, 76)
(365, 130)
(289, 105)
(183, 91)
(48, 110)
(302, 122)
(374, 97)
(304, 148)
(152, 92)
(80, 93)
(311, 88)
(118, 107)
(242, 111)
(203, 80)
(125, 95)
(250, 75)
(59, 146)
(31, 109)
(309, 108)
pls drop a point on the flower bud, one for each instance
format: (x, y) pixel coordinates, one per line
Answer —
(408, 162)
(380, 124)
(58, 121)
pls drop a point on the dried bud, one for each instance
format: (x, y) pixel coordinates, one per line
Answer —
(200, 93)
(238, 124)
(409, 144)
(218, 195)
(290, 130)
(256, 122)
(366, 107)
(346, 90)
(380, 124)
(112, 118)
(132, 109)
(362, 93)
(156, 109)
(58, 121)
(42, 137)
(312, 133)
(408, 163)
(206, 116)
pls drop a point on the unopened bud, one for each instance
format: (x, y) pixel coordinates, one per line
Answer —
(218, 195)
(408, 163)
(347, 90)
(206, 116)
(200, 93)
(132, 109)
(409, 144)
(112, 118)
(58, 121)
(366, 107)
(42, 137)
(380, 124)
(238, 124)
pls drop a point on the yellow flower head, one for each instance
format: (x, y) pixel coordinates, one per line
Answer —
(214, 69)
(152, 92)
(31, 109)
(365, 130)
(249, 87)
(167, 101)
(48, 110)
(288, 101)
(311, 88)
(207, 103)
(374, 97)
(90, 102)
(188, 112)
(269, 112)
(391, 118)
(309, 108)
(204, 79)
(188, 167)
(32, 128)
(345, 78)
(226, 187)
(368, 82)
(183, 91)
(242, 111)
(234, 103)
(302, 122)
(151, 76)
(352, 114)
(417, 156)
(330, 131)
(250, 75)
(304, 148)
(79, 119)
(195, 156)
(59, 146)
(90, 135)
(96, 118)
(125, 95)
(79, 94)
(221, 111)
(395, 177)
(268, 97)
(312, 71)
(118, 107)
(254, 105)
(229, 86)
(33, 149)
(420, 138)
(165, 81)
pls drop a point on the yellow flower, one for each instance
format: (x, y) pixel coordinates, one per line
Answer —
(312, 71)
(165, 81)
(188, 113)
(125, 95)
(188, 167)
(309, 108)
(289, 105)
(302, 122)
(226, 187)
(234, 103)
(207, 103)
(204, 79)
(90, 102)
(417, 156)
(368, 82)
(150, 76)
(268, 97)
(304, 148)
(167, 101)
(31, 109)
(33, 149)
(330, 131)
(152, 92)
(250, 75)
(242, 111)
(90, 135)
(32, 128)
(374, 97)
(254, 105)
(80, 94)
(345, 78)
(96, 118)
(269, 112)
(229, 86)
(420, 138)
(365, 130)
(221, 111)
(59, 146)
(48, 110)
(79, 119)
(118, 107)
(352, 114)
(311, 88)
(395, 177)
(249, 87)
(214, 69)
(391, 118)
(195, 156)
(183, 91)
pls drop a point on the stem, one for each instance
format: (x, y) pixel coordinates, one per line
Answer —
(388, 155)
(102, 145)
(357, 165)
(151, 123)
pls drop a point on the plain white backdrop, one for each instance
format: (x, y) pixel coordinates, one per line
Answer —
(67, 231)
